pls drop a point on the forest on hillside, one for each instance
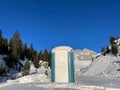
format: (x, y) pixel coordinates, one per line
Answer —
(16, 50)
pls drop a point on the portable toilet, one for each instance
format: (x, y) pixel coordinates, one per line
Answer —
(62, 65)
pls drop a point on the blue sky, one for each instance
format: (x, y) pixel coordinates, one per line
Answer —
(49, 23)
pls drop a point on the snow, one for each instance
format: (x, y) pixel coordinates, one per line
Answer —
(34, 78)
(101, 74)
(91, 84)
(32, 68)
(79, 65)
(84, 54)
(104, 65)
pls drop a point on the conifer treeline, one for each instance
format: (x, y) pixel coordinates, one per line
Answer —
(15, 49)
(113, 48)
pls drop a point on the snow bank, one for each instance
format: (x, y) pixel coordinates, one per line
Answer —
(36, 75)
(108, 65)
(79, 65)
(32, 69)
(34, 78)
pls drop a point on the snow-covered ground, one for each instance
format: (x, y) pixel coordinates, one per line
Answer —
(82, 83)
(101, 74)
(79, 65)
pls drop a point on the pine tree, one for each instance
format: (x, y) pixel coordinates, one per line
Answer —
(0, 33)
(25, 49)
(24, 52)
(10, 46)
(31, 52)
(15, 49)
(45, 55)
(113, 45)
(112, 39)
(26, 68)
(16, 45)
(49, 61)
(36, 60)
(107, 50)
(3, 44)
(40, 55)
(115, 49)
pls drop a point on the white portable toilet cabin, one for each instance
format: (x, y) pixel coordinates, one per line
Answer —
(62, 65)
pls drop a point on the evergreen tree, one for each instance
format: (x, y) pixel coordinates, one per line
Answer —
(115, 49)
(107, 50)
(49, 61)
(16, 45)
(0, 33)
(112, 39)
(25, 49)
(26, 68)
(31, 52)
(36, 60)
(113, 45)
(40, 55)
(45, 55)
(15, 49)
(24, 52)
(10, 47)
(28, 54)
(3, 44)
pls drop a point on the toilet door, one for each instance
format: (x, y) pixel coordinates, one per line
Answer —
(61, 67)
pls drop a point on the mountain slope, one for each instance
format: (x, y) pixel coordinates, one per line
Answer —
(108, 65)
(84, 54)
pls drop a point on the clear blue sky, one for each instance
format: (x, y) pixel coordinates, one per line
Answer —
(49, 23)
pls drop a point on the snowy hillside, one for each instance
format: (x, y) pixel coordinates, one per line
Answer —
(101, 74)
(84, 54)
(108, 65)
(83, 58)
